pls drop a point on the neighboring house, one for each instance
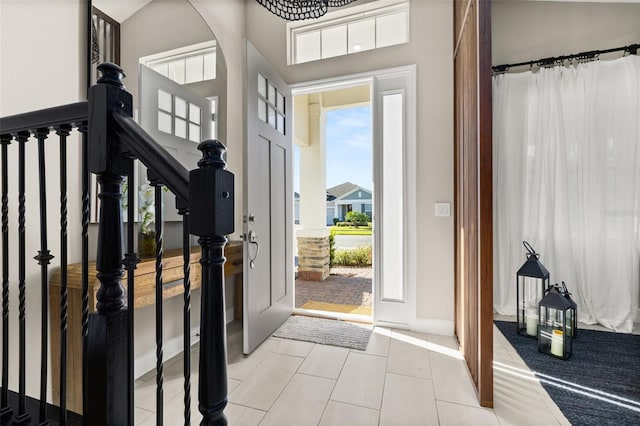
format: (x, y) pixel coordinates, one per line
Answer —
(348, 197)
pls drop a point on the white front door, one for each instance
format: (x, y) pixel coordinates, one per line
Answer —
(394, 157)
(177, 119)
(268, 202)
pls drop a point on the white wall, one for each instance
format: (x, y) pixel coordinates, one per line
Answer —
(430, 47)
(41, 65)
(529, 30)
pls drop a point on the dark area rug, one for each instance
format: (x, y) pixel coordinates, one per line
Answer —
(598, 385)
(325, 331)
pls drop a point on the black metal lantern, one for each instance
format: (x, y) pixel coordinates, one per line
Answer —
(556, 312)
(532, 279)
(572, 319)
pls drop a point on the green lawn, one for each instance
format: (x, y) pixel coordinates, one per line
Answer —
(350, 230)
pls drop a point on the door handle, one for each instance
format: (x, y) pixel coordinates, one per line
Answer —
(252, 239)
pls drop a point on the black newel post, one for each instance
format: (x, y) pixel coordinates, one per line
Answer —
(211, 211)
(108, 329)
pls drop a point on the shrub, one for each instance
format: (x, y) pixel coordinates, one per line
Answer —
(336, 220)
(360, 256)
(332, 248)
(357, 218)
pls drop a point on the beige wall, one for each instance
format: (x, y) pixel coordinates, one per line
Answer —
(529, 30)
(41, 65)
(430, 47)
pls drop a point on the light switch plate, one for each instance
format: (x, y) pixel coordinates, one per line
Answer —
(443, 209)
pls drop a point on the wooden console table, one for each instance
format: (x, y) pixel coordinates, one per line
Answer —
(145, 279)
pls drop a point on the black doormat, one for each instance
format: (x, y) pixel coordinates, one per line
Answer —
(598, 385)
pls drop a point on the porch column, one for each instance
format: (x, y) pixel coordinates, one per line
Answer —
(313, 235)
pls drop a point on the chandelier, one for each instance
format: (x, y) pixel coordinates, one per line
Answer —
(298, 10)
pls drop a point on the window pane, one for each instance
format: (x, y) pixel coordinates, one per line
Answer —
(391, 29)
(164, 122)
(164, 101)
(280, 123)
(334, 41)
(180, 128)
(194, 113)
(161, 69)
(272, 117)
(281, 103)
(210, 66)
(362, 35)
(392, 201)
(307, 47)
(262, 86)
(180, 107)
(176, 71)
(262, 110)
(272, 93)
(194, 133)
(194, 69)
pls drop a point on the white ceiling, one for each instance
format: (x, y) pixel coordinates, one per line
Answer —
(120, 10)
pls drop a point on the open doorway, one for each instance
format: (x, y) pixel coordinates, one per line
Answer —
(333, 202)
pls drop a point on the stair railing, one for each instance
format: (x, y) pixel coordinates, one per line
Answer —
(204, 197)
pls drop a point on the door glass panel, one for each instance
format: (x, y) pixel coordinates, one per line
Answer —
(392, 246)
(262, 110)
(272, 93)
(280, 123)
(262, 86)
(272, 116)
(280, 103)
(194, 133)
(181, 107)
(194, 113)
(164, 122)
(181, 128)
(164, 101)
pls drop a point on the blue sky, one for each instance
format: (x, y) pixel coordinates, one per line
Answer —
(349, 152)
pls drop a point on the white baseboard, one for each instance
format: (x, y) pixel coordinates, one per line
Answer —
(434, 326)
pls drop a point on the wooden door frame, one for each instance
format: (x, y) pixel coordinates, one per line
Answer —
(473, 221)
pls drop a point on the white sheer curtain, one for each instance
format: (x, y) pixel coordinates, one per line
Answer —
(567, 179)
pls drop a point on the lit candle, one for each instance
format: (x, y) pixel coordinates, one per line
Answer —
(557, 343)
(531, 318)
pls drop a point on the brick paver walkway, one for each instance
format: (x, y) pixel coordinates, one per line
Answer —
(345, 286)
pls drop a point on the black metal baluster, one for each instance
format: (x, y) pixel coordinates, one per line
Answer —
(23, 418)
(159, 354)
(86, 209)
(211, 209)
(63, 132)
(186, 267)
(131, 261)
(5, 409)
(44, 258)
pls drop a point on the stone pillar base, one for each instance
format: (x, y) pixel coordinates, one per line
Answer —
(313, 258)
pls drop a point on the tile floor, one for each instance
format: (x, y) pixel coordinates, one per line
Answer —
(403, 378)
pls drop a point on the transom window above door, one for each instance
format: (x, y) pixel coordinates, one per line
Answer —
(349, 30)
(185, 65)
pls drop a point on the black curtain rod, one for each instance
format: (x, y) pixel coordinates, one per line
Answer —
(632, 49)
